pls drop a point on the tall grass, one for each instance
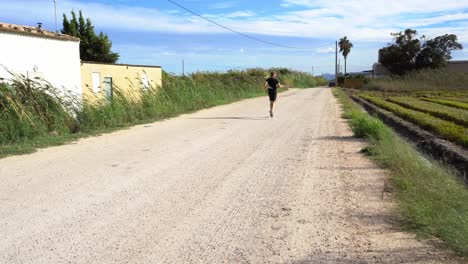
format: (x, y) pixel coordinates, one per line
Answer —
(301, 80)
(177, 95)
(424, 80)
(31, 109)
(432, 200)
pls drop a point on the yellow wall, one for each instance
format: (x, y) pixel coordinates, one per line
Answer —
(127, 78)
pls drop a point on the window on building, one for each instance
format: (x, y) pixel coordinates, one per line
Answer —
(145, 81)
(108, 86)
(96, 79)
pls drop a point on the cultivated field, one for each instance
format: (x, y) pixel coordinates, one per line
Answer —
(443, 113)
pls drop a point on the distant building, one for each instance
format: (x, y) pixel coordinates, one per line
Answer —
(40, 54)
(461, 66)
(362, 73)
(379, 70)
(99, 80)
(55, 58)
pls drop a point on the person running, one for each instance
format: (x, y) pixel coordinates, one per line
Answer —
(271, 86)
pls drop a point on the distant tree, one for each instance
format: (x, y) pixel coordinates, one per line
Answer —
(409, 53)
(345, 49)
(66, 24)
(93, 47)
(436, 52)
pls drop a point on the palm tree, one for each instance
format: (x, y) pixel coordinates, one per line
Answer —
(345, 49)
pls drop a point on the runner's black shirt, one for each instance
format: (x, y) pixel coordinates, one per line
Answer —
(272, 83)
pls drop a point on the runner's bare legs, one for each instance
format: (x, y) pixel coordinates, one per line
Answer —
(271, 85)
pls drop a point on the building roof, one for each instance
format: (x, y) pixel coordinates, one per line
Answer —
(119, 64)
(35, 32)
(458, 62)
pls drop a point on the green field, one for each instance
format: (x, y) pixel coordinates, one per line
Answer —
(432, 111)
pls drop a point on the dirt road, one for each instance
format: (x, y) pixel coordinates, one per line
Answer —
(223, 185)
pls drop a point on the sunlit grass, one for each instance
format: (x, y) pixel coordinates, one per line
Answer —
(35, 114)
(432, 200)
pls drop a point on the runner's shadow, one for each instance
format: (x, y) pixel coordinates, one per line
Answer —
(338, 138)
(232, 118)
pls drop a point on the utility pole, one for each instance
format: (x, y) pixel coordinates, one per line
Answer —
(312, 70)
(336, 63)
(339, 66)
(183, 68)
(55, 7)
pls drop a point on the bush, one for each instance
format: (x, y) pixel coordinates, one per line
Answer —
(341, 79)
(365, 127)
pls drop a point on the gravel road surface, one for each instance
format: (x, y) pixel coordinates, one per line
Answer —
(223, 185)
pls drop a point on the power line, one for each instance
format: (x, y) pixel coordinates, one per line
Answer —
(243, 34)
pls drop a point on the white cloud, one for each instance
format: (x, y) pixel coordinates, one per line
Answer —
(326, 19)
(223, 5)
(232, 15)
(240, 14)
(168, 53)
(173, 12)
(325, 50)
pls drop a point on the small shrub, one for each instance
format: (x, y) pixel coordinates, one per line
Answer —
(365, 127)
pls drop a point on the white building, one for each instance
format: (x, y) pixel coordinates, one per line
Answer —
(37, 53)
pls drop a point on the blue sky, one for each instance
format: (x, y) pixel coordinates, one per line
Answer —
(159, 33)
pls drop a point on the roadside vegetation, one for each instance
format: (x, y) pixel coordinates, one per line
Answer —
(437, 80)
(431, 199)
(34, 114)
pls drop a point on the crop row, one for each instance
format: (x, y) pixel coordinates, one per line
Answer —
(452, 103)
(456, 115)
(459, 98)
(444, 129)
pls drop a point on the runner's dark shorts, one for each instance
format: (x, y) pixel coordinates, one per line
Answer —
(272, 94)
